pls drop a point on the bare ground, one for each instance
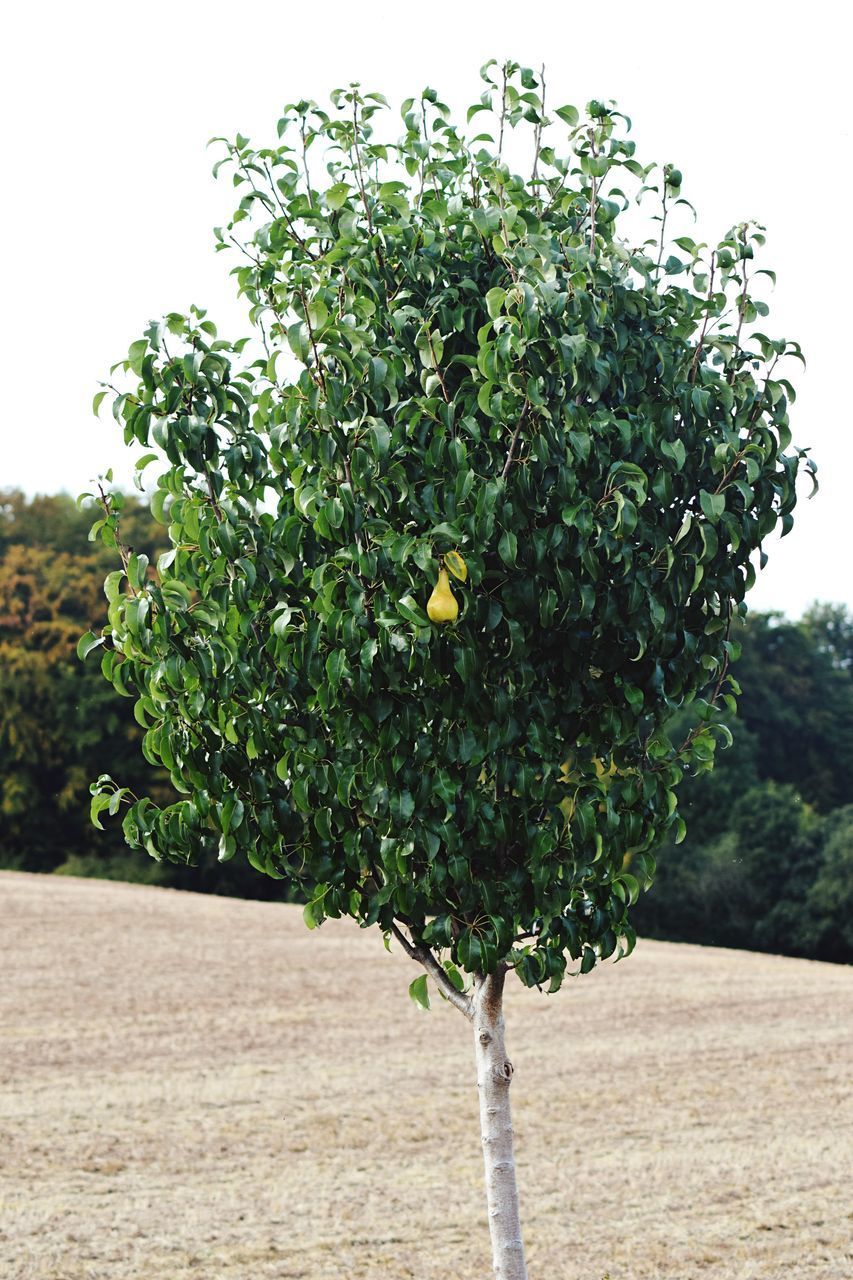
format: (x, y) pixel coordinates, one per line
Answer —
(196, 1088)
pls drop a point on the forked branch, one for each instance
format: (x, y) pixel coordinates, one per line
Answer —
(426, 957)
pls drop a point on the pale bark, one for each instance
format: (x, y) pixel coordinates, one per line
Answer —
(494, 1074)
(484, 1008)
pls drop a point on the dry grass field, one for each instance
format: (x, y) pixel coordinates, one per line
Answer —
(196, 1088)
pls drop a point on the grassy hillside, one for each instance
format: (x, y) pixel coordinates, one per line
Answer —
(196, 1087)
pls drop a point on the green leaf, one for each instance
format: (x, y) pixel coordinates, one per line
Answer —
(227, 848)
(337, 195)
(297, 339)
(631, 884)
(87, 643)
(494, 302)
(323, 823)
(713, 505)
(484, 398)
(675, 450)
(568, 114)
(419, 993)
(136, 355)
(508, 547)
(100, 801)
(447, 530)
(408, 608)
(380, 439)
(701, 401)
(159, 498)
(336, 664)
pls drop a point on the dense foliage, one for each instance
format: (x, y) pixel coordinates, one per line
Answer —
(488, 376)
(768, 858)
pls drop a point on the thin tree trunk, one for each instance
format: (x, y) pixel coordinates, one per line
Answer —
(494, 1073)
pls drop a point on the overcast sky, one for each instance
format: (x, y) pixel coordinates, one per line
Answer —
(109, 202)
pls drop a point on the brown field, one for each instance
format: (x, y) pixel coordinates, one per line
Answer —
(195, 1087)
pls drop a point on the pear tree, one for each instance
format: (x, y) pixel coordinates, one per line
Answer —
(453, 536)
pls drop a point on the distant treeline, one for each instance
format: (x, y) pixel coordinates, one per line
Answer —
(61, 723)
(767, 864)
(768, 859)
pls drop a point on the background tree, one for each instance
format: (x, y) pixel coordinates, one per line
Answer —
(56, 719)
(798, 695)
(827, 929)
(588, 435)
(830, 627)
(59, 720)
(770, 821)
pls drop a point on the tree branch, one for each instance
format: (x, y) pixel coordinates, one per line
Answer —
(125, 552)
(593, 194)
(741, 311)
(503, 112)
(214, 502)
(305, 160)
(537, 133)
(662, 224)
(310, 328)
(697, 354)
(514, 440)
(425, 957)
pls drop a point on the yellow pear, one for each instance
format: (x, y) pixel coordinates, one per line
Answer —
(442, 605)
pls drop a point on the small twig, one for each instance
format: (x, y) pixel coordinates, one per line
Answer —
(503, 113)
(124, 552)
(237, 245)
(274, 188)
(423, 158)
(662, 224)
(358, 164)
(593, 195)
(214, 501)
(305, 160)
(361, 186)
(241, 164)
(537, 133)
(697, 354)
(741, 307)
(729, 472)
(514, 439)
(271, 204)
(313, 341)
(753, 418)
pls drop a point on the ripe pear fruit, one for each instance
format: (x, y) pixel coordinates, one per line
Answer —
(442, 605)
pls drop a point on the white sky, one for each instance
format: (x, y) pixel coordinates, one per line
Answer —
(109, 203)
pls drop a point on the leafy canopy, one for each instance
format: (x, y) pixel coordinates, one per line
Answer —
(463, 365)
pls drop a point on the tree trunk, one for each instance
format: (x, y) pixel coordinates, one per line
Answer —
(494, 1073)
